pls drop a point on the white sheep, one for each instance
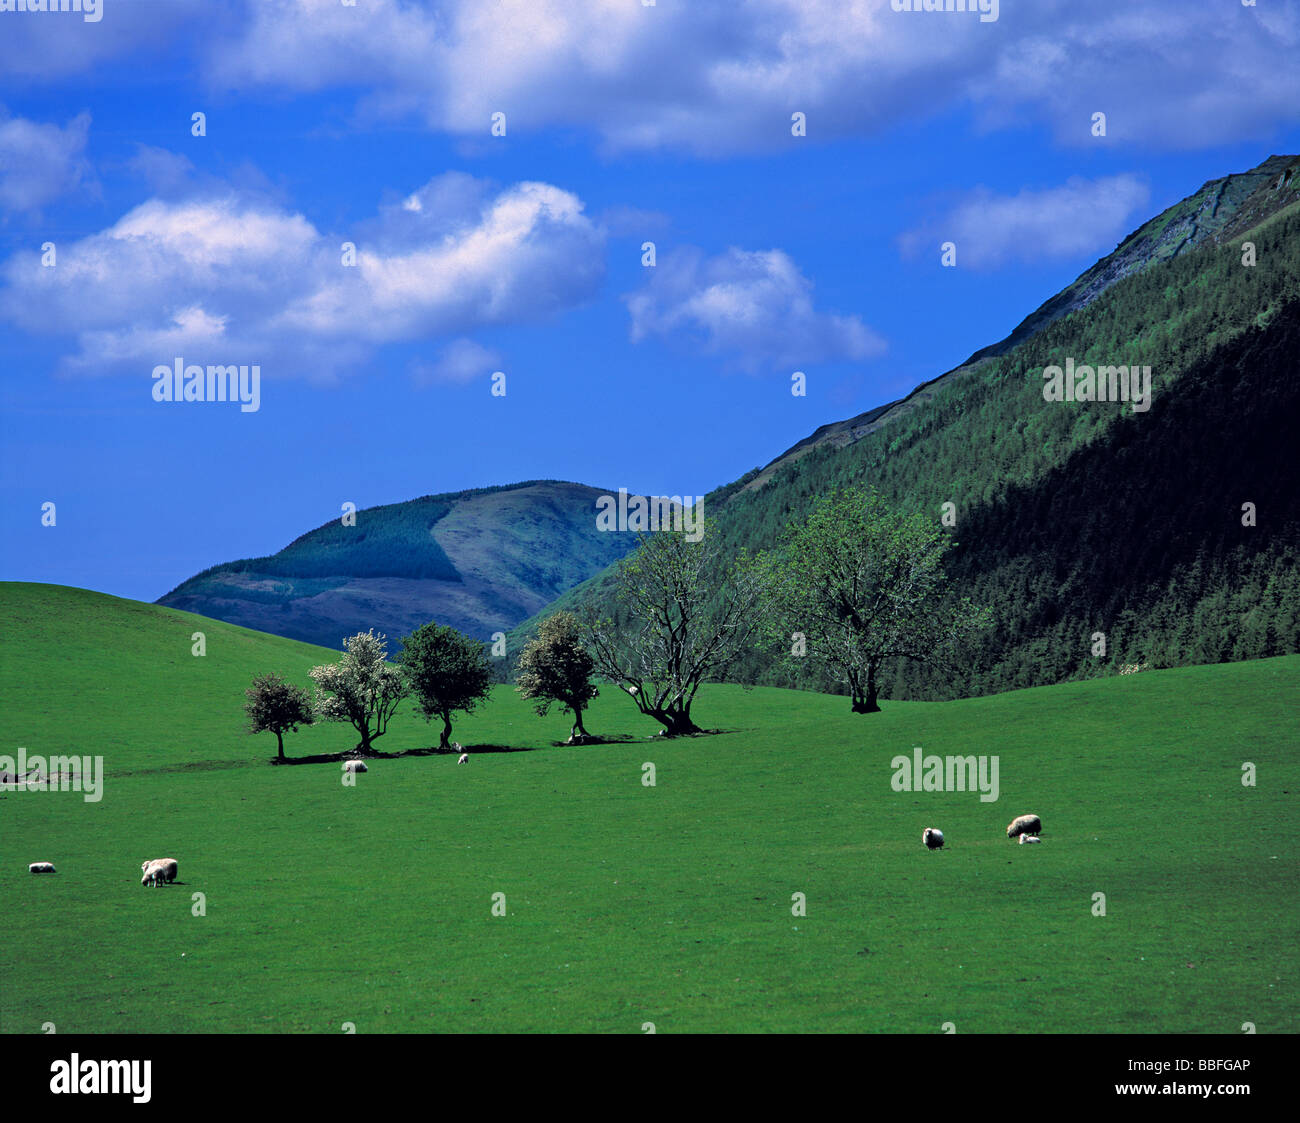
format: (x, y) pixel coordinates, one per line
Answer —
(932, 838)
(355, 766)
(159, 870)
(42, 867)
(1029, 838)
(1024, 824)
(463, 758)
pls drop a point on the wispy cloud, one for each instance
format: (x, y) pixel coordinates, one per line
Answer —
(462, 360)
(1080, 218)
(40, 162)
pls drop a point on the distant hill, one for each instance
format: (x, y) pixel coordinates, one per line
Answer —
(480, 560)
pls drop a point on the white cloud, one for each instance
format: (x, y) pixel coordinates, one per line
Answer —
(712, 77)
(40, 162)
(754, 309)
(244, 276)
(1080, 218)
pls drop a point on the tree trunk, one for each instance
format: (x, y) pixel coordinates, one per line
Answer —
(676, 721)
(279, 740)
(445, 742)
(578, 729)
(865, 702)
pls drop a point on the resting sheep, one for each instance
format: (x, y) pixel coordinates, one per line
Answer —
(932, 838)
(1024, 824)
(1029, 838)
(42, 867)
(355, 766)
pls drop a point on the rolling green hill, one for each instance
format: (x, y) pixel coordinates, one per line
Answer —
(627, 904)
(1077, 518)
(479, 560)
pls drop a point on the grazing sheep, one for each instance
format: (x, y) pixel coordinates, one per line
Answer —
(355, 766)
(170, 864)
(463, 758)
(154, 861)
(932, 838)
(1024, 824)
(42, 867)
(158, 871)
(1029, 838)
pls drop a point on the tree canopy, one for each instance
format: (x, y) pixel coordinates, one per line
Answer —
(447, 672)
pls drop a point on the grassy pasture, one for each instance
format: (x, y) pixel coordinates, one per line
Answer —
(625, 903)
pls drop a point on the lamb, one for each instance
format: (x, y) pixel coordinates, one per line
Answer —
(355, 766)
(463, 758)
(42, 867)
(932, 838)
(1029, 838)
(1024, 824)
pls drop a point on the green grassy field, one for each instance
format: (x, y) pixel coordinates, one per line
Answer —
(629, 904)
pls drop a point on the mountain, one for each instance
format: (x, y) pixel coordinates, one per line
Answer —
(1223, 209)
(479, 560)
(1079, 518)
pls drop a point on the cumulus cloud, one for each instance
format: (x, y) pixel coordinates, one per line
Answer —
(715, 78)
(244, 279)
(754, 309)
(1080, 218)
(41, 162)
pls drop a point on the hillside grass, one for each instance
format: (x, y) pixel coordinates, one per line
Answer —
(629, 904)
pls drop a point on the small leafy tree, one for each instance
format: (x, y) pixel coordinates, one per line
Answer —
(278, 707)
(555, 668)
(361, 688)
(865, 584)
(447, 672)
(689, 614)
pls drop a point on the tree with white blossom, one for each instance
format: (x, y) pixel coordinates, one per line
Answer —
(362, 688)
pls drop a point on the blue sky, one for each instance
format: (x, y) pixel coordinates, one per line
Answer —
(625, 123)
